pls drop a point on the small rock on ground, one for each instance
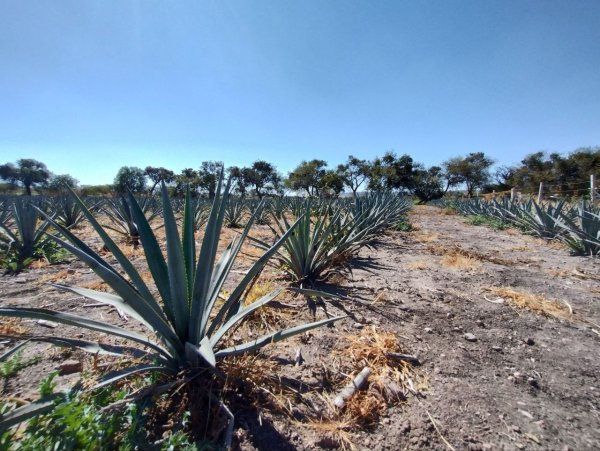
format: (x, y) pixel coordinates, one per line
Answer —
(470, 337)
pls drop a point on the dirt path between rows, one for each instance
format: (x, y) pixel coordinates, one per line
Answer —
(522, 380)
(497, 376)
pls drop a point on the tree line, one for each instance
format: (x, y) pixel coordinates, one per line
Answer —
(401, 173)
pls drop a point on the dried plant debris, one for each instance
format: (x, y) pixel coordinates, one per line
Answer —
(388, 380)
(534, 303)
(419, 264)
(425, 237)
(12, 326)
(460, 262)
(457, 250)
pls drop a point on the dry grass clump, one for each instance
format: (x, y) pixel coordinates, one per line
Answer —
(426, 210)
(255, 378)
(130, 251)
(97, 285)
(39, 264)
(575, 272)
(448, 211)
(519, 248)
(60, 276)
(12, 326)
(459, 261)
(425, 237)
(513, 232)
(457, 250)
(255, 370)
(390, 382)
(419, 264)
(391, 378)
(534, 303)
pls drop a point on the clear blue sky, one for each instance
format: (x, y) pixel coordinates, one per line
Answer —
(90, 86)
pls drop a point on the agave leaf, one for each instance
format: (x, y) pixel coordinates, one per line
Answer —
(273, 338)
(75, 320)
(114, 376)
(97, 263)
(131, 297)
(221, 270)
(12, 350)
(228, 259)
(104, 298)
(176, 268)
(241, 314)
(23, 413)
(154, 257)
(313, 293)
(234, 297)
(188, 242)
(127, 266)
(204, 271)
(93, 347)
(205, 350)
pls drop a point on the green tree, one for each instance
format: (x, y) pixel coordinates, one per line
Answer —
(263, 177)
(187, 179)
(566, 175)
(391, 172)
(238, 181)
(208, 176)
(27, 172)
(354, 173)
(398, 171)
(307, 176)
(534, 168)
(130, 178)
(472, 170)
(157, 175)
(376, 173)
(502, 179)
(332, 183)
(60, 183)
(587, 161)
(427, 183)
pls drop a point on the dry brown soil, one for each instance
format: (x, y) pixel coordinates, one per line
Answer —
(520, 380)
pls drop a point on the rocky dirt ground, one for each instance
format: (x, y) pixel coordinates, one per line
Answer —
(505, 327)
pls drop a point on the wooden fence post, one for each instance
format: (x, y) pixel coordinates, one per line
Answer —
(593, 189)
(541, 193)
(513, 194)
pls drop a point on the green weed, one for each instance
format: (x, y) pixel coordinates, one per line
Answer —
(494, 223)
(403, 225)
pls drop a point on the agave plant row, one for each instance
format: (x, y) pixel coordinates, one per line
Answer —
(186, 316)
(576, 225)
(329, 234)
(362, 218)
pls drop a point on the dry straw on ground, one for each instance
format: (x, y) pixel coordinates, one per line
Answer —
(460, 262)
(457, 250)
(390, 382)
(12, 326)
(534, 303)
(419, 264)
(425, 237)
